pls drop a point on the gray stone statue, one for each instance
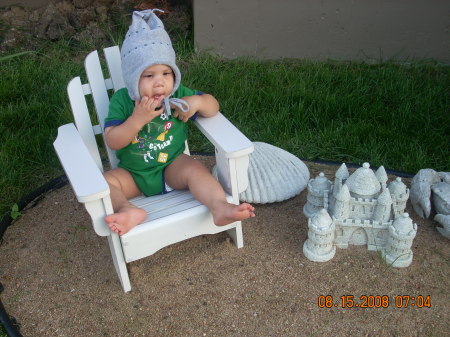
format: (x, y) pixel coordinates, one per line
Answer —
(431, 190)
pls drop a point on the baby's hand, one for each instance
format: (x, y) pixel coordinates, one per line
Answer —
(184, 116)
(147, 108)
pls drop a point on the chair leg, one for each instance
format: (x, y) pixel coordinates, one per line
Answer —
(236, 235)
(119, 261)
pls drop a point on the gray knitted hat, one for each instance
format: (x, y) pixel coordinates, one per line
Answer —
(146, 43)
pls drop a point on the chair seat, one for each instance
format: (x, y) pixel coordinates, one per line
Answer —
(171, 218)
(159, 206)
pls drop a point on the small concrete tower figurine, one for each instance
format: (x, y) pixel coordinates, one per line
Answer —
(400, 195)
(398, 251)
(318, 194)
(319, 246)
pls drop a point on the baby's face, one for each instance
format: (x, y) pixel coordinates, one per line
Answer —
(156, 81)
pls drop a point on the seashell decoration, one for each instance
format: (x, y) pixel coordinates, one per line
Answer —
(274, 175)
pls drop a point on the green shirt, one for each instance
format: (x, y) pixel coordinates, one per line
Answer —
(156, 145)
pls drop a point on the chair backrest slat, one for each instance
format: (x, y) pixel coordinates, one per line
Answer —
(112, 56)
(97, 82)
(100, 96)
(82, 119)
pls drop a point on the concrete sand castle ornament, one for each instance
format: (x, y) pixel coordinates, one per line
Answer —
(359, 209)
(274, 175)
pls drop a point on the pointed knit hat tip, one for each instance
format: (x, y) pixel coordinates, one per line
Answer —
(146, 43)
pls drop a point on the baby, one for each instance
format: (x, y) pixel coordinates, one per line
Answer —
(146, 125)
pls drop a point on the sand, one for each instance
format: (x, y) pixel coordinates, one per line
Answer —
(59, 280)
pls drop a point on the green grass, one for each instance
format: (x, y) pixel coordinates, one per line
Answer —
(33, 104)
(386, 114)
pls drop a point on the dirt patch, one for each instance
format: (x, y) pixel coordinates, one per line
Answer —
(59, 280)
(25, 27)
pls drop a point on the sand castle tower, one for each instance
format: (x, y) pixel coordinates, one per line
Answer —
(363, 183)
(382, 176)
(318, 194)
(382, 211)
(319, 246)
(400, 195)
(341, 209)
(398, 251)
(339, 180)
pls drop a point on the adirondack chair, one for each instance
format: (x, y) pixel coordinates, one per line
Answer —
(172, 217)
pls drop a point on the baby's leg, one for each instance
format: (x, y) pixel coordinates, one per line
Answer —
(123, 187)
(187, 173)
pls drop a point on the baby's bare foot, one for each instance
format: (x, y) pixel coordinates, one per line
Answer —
(125, 219)
(227, 213)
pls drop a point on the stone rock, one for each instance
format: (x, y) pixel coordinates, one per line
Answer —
(432, 189)
(58, 27)
(441, 197)
(444, 220)
(105, 2)
(82, 3)
(91, 34)
(86, 16)
(421, 191)
(35, 16)
(65, 7)
(51, 23)
(17, 17)
(102, 13)
(274, 175)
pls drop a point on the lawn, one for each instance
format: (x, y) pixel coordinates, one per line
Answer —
(387, 114)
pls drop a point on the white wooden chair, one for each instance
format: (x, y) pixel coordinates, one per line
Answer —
(171, 217)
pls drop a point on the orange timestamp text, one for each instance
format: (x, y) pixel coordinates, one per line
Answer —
(374, 301)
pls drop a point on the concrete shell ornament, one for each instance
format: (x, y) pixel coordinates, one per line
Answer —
(431, 190)
(274, 175)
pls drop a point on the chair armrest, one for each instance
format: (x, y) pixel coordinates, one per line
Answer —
(224, 136)
(233, 150)
(84, 175)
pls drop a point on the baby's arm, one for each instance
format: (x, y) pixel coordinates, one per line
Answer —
(117, 137)
(205, 105)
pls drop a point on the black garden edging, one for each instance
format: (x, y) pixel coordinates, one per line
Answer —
(11, 326)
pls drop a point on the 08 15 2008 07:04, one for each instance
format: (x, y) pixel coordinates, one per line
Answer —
(374, 301)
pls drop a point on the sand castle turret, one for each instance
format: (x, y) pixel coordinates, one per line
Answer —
(382, 212)
(381, 176)
(318, 194)
(342, 203)
(319, 246)
(398, 251)
(400, 195)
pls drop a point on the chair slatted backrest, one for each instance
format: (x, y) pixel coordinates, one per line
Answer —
(99, 89)
(112, 55)
(80, 111)
(97, 86)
